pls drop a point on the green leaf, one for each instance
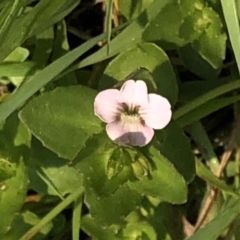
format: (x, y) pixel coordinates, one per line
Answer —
(49, 174)
(43, 77)
(108, 21)
(24, 222)
(19, 54)
(150, 57)
(8, 16)
(200, 137)
(17, 72)
(204, 173)
(142, 230)
(165, 26)
(76, 217)
(19, 69)
(44, 45)
(14, 143)
(95, 162)
(163, 182)
(42, 16)
(3, 4)
(175, 146)
(213, 229)
(206, 109)
(12, 196)
(161, 218)
(129, 37)
(183, 22)
(61, 47)
(206, 96)
(114, 208)
(132, 8)
(194, 62)
(179, 22)
(7, 170)
(211, 45)
(230, 10)
(231, 169)
(15, 134)
(63, 119)
(200, 87)
(235, 231)
(93, 229)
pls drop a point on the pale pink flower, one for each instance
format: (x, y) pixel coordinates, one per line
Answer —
(131, 113)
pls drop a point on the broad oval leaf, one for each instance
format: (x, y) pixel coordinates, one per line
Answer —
(63, 119)
(150, 57)
(94, 161)
(166, 25)
(182, 22)
(114, 208)
(164, 183)
(102, 192)
(211, 44)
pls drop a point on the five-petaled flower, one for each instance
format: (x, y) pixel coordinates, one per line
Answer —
(131, 113)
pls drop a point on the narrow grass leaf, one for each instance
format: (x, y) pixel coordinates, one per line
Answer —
(43, 77)
(230, 13)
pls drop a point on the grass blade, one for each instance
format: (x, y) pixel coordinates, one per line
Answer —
(230, 14)
(43, 77)
(76, 219)
(109, 23)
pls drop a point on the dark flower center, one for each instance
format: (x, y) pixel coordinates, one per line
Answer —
(130, 115)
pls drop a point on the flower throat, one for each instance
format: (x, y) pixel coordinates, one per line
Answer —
(130, 115)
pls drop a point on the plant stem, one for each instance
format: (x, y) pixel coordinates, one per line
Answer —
(52, 214)
(76, 218)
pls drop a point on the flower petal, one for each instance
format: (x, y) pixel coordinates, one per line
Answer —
(158, 113)
(106, 105)
(132, 134)
(134, 93)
